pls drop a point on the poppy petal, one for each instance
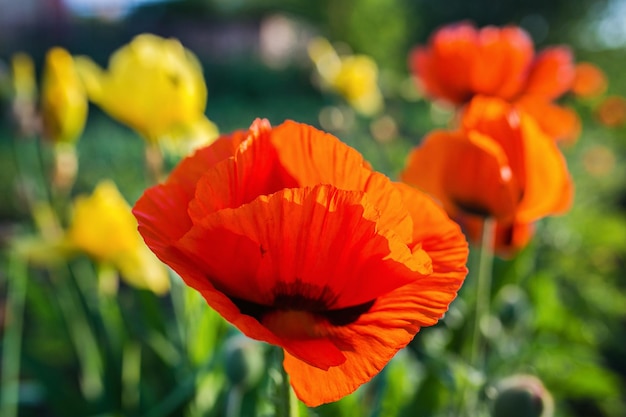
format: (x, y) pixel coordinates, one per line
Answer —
(160, 204)
(499, 120)
(552, 73)
(560, 123)
(154, 211)
(549, 188)
(320, 158)
(192, 168)
(502, 62)
(442, 66)
(253, 171)
(288, 238)
(438, 236)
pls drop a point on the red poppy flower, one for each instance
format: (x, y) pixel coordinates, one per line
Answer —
(500, 165)
(290, 236)
(461, 61)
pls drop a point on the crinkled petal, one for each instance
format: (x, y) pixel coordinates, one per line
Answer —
(297, 239)
(320, 158)
(369, 343)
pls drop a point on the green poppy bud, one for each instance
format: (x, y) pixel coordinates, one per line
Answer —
(522, 396)
(244, 361)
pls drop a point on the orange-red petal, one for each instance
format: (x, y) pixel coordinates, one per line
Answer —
(162, 203)
(317, 157)
(190, 169)
(289, 238)
(442, 66)
(297, 155)
(502, 61)
(548, 188)
(552, 73)
(499, 120)
(561, 123)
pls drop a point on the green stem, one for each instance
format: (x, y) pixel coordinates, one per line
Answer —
(283, 399)
(81, 334)
(12, 340)
(483, 293)
(286, 403)
(233, 404)
(131, 375)
(183, 392)
(470, 403)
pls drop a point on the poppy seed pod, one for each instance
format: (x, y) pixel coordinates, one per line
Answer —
(522, 396)
(244, 361)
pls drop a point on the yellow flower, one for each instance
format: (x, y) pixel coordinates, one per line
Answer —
(24, 94)
(354, 77)
(63, 99)
(152, 85)
(24, 84)
(104, 228)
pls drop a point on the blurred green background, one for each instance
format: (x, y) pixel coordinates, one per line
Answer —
(560, 304)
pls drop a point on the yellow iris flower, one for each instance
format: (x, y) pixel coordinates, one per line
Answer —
(104, 228)
(354, 77)
(153, 85)
(64, 103)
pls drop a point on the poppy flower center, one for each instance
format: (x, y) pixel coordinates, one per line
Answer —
(299, 304)
(473, 208)
(291, 324)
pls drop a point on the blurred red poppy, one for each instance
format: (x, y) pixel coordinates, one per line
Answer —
(500, 164)
(461, 61)
(290, 236)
